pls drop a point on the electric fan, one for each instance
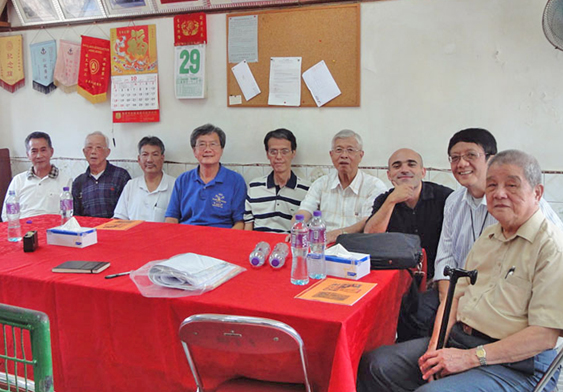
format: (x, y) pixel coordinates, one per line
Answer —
(553, 23)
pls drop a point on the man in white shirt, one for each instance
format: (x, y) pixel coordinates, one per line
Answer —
(40, 187)
(146, 197)
(345, 197)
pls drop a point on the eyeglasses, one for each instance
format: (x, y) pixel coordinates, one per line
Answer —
(211, 145)
(349, 151)
(94, 148)
(283, 151)
(469, 157)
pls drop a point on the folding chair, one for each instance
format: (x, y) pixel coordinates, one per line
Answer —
(239, 353)
(551, 370)
(25, 331)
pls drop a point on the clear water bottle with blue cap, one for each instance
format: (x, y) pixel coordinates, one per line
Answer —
(67, 208)
(299, 250)
(279, 254)
(13, 213)
(258, 255)
(316, 262)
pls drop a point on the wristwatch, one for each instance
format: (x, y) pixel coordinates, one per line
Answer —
(482, 355)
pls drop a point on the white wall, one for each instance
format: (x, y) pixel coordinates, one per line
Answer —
(429, 68)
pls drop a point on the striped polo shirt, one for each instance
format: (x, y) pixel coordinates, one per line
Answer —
(270, 207)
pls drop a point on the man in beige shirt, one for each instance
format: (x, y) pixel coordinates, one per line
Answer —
(503, 329)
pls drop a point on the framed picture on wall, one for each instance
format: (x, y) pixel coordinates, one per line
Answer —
(81, 9)
(33, 12)
(180, 5)
(127, 7)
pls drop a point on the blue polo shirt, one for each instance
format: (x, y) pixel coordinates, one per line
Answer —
(219, 203)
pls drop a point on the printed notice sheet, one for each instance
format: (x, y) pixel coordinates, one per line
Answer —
(337, 291)
(246, 80)
(243, 39)
(321, 84)
(285, 81)
(119, 224)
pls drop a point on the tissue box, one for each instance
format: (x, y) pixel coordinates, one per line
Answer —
(79, 238)
(354, 267)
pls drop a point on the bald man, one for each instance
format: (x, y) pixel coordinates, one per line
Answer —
(413, 206)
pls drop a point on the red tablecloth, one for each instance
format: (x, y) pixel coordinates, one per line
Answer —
(107, 337)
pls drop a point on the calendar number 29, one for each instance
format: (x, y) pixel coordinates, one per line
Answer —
(190, 61)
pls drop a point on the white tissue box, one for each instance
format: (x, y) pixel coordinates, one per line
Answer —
(78, 238)
(356, 266)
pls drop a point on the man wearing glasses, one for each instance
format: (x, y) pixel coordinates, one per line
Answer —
(465, 216)
(273, 199)
(210, 194)
(96, 191)
(346, 196)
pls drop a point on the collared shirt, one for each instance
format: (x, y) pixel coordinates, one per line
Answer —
(343, 207)
(519, 280)
(218, 203)
(465, 218)
(137, 203)
(271, 208)
(425, 219)
(38, 195)
(98, 197)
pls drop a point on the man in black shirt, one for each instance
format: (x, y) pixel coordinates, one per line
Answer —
(413, 206)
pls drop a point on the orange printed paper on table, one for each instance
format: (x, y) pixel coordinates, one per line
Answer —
(11, 63)
(337, 291)
(119, 224)
(190, 29)
(134, 74)
(93, 76)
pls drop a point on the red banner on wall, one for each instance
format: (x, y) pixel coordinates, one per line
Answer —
(190, 29)
(93, 79)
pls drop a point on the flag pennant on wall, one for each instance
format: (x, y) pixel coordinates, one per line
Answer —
(68, 65)
(190, 29)
(94, 69)
(12, 76)
(43, 60)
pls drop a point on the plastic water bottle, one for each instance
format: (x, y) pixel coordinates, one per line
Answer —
(13, 212)
(277, 258)
(258, 255)
(299, 250)
(317, 241)
(67, 209)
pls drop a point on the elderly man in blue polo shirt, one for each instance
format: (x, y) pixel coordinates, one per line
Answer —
(210, 194)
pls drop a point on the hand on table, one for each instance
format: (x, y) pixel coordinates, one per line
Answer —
(332, 235)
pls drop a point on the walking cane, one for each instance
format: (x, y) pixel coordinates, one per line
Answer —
(454, 274)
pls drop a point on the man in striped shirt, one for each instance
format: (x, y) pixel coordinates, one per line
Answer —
(273, 199)
(465, 218)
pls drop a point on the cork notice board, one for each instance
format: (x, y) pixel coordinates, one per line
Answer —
(314, 33)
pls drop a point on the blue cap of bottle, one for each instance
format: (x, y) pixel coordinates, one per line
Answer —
(317, 213)
(299, 217)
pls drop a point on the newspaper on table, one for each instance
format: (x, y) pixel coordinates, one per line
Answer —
(183, 275)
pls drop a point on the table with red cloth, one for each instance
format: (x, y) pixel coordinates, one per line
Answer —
(107, 337)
